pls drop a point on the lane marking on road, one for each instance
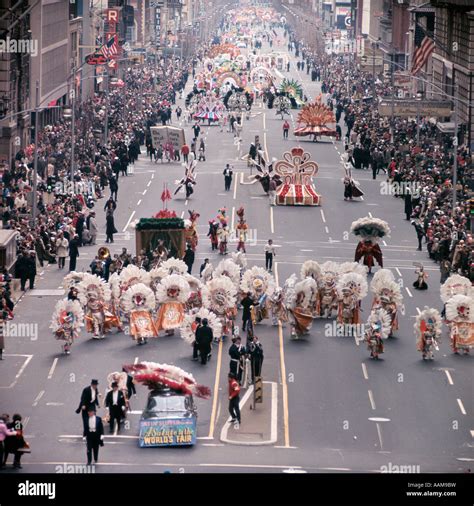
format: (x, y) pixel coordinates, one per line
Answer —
(322, 216)
(398, 271)
(362, 198)
(53, 367)
(241, 178)
(384, 243)
(408, 291)
(139, 202)
(232, 219)
(327, 230)
(450, 379)
(287, 447)
(272, 225)
(379, 433)
(149, 183)
(212, 444)
(371, 399)
(461, 406)
(472, 433)
(144, 192)
(283, 376)
(265, 145)
(308, 250)
(364, 371)
(235, 186)
(129, 220)
(370, 214)
(418, 310)
(38, 397)
(182, 214)
(153, 176)
(22, 368)
(135, 361)
(212, 423)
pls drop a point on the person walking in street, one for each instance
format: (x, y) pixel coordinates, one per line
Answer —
(255, 350)
(247, 303)
(234, 398)
(236, 353)
(93, 227)
(188, 258)
(3, 318)
(420, 233)
(228, 173)
(272, 191)
(203, 266)
(31, 268)
(61, 250)
(89, 400)
(204, 338)
(196, 130)
(94, 435)
(286, 128)
(185, 152)
(196, 325)
(73, 252)
(116, 404)
(113, 184)
(4, 433)
(110, 229)
(15, 444)
(269, 255)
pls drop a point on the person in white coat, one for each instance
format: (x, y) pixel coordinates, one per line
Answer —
(93, 227)
(61, 249)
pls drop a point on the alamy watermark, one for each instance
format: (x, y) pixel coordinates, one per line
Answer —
(396, 468)
(400, 188)
(250, 236)
(28, 330)
(66, 186)
(74, 468)
(336, 329)
(29, 46)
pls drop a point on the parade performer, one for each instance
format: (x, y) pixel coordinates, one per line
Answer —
(311, 269)
(188, 329)
(67, 320)
(172, 295)
(194, 301)
(207, 273)
(241, 230)
(261, 285)
(378, 328)
(420, 283)
(223, 235)
(130, 276)
(351, 288)
(328, 297)
(455, 285)
(155, 376)
(191, 231)
(277, 306)
(173, 266)
(121, 378)
(460, 318)
(212, 234)
(298, 302)
(189, 179)
(219, 296)
(387, 295)
(139, 302)
(370, 230)
(95, 296)
(229, 269)
(428, 332)
(240, 259)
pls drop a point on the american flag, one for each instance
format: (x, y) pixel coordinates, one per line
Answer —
(110, 48)
(424, 46)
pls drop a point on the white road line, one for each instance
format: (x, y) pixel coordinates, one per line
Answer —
(450, 379)
(241, 178)
(53, 367)
(149, 183)
(472, 433)
(379, 432)
(144, 192)
(370, 214)
(461, 406)
(186, 202)
(327, 230)
(322, 216)
(235, 186)
(272, 226)
(38, 397)
(384, 243)
(398, 271)
(136, 360)
(371, 399)
(408, 291)
(362, 198)
(364, 371)
(129, 220)
(153, 176)
(418, 310)
(182, 214)
(306, 250)
(139, 202)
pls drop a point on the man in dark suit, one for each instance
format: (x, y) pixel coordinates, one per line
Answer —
(115, 402)
(89, 399)
(73, 252)
(94, 435)
(204, 337)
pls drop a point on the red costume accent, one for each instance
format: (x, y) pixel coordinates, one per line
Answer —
(369, 251)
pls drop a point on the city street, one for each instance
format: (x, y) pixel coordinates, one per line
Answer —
(327, 406)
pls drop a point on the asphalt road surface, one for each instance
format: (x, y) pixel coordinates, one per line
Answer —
(333, 409)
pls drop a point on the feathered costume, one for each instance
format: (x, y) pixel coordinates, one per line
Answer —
(378, 328)
(241, 230)
(370, 230)
(139, 302)
(428, 326)
(460, 318)
(189, 326)
(261, 285)
(387, 295)
(351, 288)
(219, 296)
(67, 320)
(230, 269)
(299, 302)
(328, 297)
(172, 295)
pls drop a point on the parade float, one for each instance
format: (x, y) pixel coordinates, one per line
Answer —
(296, 171)
(313, 120)
(209, 108)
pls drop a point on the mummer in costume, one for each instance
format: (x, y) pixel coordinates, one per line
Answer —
(370, 230)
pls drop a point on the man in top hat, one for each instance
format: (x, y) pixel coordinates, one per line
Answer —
(236, 353)
(116, 404)
(93, 434)
(89, 399)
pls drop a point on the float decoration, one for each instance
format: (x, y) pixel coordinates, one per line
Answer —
(313, 120)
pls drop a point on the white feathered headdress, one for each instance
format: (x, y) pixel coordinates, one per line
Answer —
(356, 267)
(308, 288)
(93, 287)
(173, 288)
(380, 277)
(187, 332)
(426, 315)
(380, 319)
(229, 269)
(156, 275)
(311, 269)
(139, 297)
(119, 377)
(257, 281)
(72, 279)
(207, 273)
(174, 266)
(240, 259)
(460, 309)
(114, 283)
(67, 311)
(456, 285)
(370, 229)
(219, 295)
(132, 275)
(329, 273)
(354, 283)
(289, 293)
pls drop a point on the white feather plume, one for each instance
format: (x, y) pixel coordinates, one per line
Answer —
(454, 305)
(432, 314)
(139, 290)
(356, 267)
(174, 266)
(240, 259)
(93, 285)
(219, 295)
(67, 306)
(253, 275)
(381, 278)
(215, 324)
(229, 269)
(381, 317)
(456, 285)
(173, 281)
(72, 279)
(354, 282)
(311, 269)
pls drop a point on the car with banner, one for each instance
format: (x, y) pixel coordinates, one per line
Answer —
(169, 419)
